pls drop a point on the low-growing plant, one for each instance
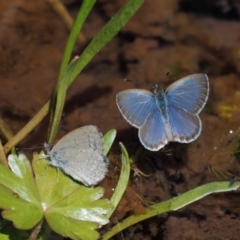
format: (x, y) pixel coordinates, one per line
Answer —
(39, 200)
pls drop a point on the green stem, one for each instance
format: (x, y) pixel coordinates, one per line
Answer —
(58, 100)
(173, 204)
(27, 128)
(5, 130)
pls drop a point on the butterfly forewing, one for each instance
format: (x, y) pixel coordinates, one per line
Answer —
(83, 137)
(135, 105)
(189, 93)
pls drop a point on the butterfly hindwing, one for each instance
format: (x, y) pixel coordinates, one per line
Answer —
(153, 133)
(83, 168)
(185, 127)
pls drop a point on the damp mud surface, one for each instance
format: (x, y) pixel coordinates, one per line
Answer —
(168, 36)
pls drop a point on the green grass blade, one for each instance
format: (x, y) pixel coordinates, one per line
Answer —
(122, 182)
(58, 100)
(104, 36)
(72, 71)
(108, 140)
(57, 104)
(85, 9)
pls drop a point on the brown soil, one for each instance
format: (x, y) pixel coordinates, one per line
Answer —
(178, 37)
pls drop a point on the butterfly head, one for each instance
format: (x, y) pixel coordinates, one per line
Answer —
(156, 89)
(47, 147)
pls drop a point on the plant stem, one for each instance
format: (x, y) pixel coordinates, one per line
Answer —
(3, 158)
(27, 128)
(35, 232)
(173, 204)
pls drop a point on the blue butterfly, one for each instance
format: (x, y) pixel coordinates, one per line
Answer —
(165, 116)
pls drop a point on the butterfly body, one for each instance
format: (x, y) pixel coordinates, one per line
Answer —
(80, 155)
(161, 100)
(164, 116)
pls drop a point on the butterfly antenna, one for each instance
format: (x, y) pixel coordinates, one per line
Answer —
(166, 77)
(141, 83)
(160, 86)
(31, 148)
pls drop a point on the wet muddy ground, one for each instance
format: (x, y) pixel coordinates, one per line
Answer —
(180, 37)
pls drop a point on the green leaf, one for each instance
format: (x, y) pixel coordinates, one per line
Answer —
(115, 24)
(71, 209)
(173, 204)
(123, 180)
(85, 9)
(108, 138)
(8, 232)
(18, 196)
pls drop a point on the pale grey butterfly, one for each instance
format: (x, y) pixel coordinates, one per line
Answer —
(165, 116)
(80, 155)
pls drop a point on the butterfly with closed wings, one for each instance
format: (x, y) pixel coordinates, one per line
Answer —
(80, 155)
